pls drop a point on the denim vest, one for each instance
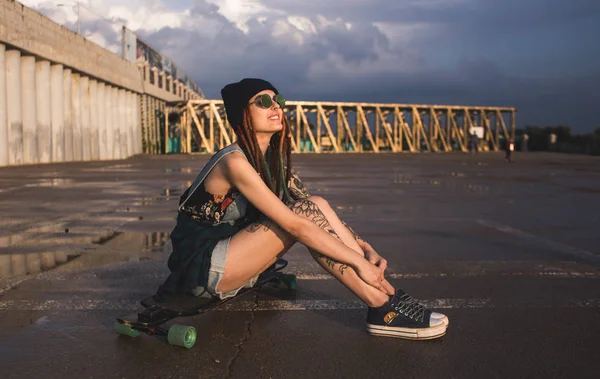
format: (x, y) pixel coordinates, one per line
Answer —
(236, 210)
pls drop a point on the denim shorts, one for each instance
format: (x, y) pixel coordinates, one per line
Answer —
(216, 272)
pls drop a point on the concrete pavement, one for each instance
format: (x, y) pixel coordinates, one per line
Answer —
(510, 252)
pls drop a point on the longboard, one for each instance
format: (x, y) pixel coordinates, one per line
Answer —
(151, 319)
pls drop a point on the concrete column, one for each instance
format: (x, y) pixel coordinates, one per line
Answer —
(144, 120)
(129, 117)
(18, 264)
(60, 257)
(14, 117)
(169, 83)
(126, 112)
(57, 112)
(110, 138)
(122, 123)
(138, 121)
(5, 268)
(155, 75)
(95, 145)
(146, 73)
(3, 123)
(140, 67)
(86, 142)
(33, 263)
(44, 114)
(102, 121)
(160, 127)
(68, 114)
(152, 124)
(29, 110)
(161, 80)
(167, 150)
(48, 261)
(76, 116)
(116, 120)
(130, 124)
(132, 120)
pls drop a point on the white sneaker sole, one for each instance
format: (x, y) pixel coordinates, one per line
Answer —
(408, 333)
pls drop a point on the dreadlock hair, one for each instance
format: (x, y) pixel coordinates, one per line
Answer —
(276, 169)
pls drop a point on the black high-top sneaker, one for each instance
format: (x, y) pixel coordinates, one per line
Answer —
(403, 317)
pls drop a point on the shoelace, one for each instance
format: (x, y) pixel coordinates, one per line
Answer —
(410, 308)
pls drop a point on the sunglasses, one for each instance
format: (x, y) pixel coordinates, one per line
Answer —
(266, 101)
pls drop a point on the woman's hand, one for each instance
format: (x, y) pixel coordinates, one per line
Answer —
(373, 276)
(374, 258)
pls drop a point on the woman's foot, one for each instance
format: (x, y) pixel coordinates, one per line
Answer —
(403, 317)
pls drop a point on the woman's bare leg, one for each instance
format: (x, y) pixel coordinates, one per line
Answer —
(256, 247)
(251, 251)
(318, 211)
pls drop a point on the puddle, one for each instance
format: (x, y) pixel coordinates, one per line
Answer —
(115, 248)
(171, 192)
(118, 167)
(54, 182)
(476, 188)
(51, 174)
(185, 170)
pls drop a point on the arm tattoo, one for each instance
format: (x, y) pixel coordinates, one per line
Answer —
(312, 212)
(263, 221)
(356, 236)
(297, 189)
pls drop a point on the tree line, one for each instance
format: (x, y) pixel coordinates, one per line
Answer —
(558, 138)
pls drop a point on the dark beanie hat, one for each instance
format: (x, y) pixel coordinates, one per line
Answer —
(237, 95)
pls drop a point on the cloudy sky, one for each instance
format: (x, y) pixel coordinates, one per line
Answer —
(541, 56)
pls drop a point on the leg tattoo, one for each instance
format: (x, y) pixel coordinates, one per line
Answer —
(356, 236)
(312, 212)
(263, 221)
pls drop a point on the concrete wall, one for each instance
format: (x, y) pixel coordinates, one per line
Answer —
(64, 98)
(29, 31)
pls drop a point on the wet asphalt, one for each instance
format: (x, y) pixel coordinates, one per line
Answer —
(509, 251)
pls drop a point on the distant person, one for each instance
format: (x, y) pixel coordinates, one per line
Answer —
(474, 142)
(247, 208)
(510, 147)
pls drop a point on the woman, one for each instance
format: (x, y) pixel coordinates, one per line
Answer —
(247, 208)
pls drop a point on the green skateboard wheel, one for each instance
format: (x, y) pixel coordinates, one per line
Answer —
(287, 281)
(126, 330)
(182, 335)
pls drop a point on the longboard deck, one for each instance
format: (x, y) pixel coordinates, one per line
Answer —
(155, 314)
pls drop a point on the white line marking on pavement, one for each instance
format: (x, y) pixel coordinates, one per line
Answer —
(278, 305)
(579, 253)
(267, 305)
(419, 275)
(551, 271)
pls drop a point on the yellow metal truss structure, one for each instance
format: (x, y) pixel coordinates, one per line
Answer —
(335, 127)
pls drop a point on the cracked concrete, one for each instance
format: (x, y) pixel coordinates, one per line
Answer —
(247, 336)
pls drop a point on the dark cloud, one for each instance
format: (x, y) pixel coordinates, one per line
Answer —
(505, 13)
(540, 56)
